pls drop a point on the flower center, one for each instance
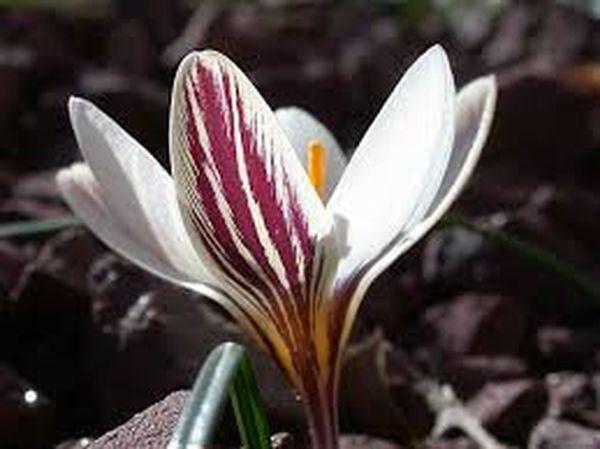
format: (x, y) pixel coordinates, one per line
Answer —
(316, 165)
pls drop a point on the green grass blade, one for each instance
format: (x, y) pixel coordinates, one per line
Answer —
(249, 412)
(226, 374)
(31, 227)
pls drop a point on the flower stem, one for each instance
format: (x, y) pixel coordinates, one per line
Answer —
(321, 410)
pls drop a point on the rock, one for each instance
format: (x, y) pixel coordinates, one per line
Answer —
(553, 434)
(509, 410)
(150, 429)
(477, 324)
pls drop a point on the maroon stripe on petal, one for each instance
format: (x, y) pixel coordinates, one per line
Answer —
(218, 227)
(272, 207)
(223, 152)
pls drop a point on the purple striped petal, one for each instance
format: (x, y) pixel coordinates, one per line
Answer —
(246, 200)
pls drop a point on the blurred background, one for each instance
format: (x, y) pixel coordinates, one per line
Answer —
(501, 300)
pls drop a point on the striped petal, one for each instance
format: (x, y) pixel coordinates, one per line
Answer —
(138, 193)
(246, 200)
(398, 167)
(300, 128)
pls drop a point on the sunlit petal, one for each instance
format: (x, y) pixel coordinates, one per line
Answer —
(140, 194)
(246, 199)
(398, 167)
(301, 128)
(84, 196)
(474, 112)
(475, 109)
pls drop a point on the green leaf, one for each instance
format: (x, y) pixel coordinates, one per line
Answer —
(25, 228)
(249, 413)
(226, 374)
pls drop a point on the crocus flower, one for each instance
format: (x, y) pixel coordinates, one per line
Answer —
(239, 221)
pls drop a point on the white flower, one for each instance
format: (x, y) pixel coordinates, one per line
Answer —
(239, 221)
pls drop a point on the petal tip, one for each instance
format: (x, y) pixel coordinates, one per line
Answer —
(62, 176)
(206, 56)
(77, 105)
(71, 172)
(293, 112)
(81, 113)
(487, 83)
(437, 49)
(435, 59)
(437, 53)
(485, 88)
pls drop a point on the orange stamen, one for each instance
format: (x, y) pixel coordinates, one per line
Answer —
(316, 166)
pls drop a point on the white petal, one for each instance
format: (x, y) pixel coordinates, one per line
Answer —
(84, 196)
(475, 110)
(397, 169)
(300, 128)
(475, 107)
(139, 194)
(476, 103)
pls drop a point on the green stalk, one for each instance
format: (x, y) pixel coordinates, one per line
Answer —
(226, 374)
(249, 413)
(31, 227)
